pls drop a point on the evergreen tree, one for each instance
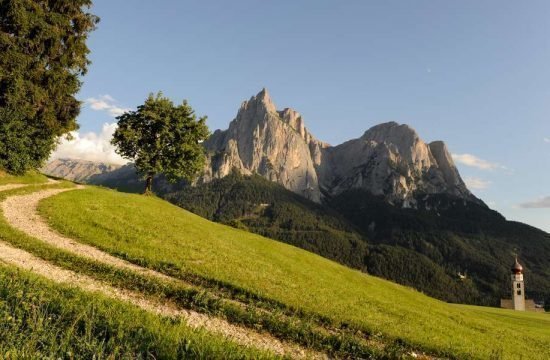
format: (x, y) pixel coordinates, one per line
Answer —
(162, 138)
(43, 53)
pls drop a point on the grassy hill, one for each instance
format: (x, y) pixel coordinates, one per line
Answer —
(421, 248)
(43, 319)
(303, 286)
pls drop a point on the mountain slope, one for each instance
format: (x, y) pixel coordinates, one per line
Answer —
(255, 204)
(76, 170)
(67, 312)
(135, 227)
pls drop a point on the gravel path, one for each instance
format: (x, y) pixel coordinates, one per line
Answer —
(21, 213)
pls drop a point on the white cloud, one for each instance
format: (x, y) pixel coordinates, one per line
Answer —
(547, 140)
(540, 203)
(106, 103)
(474, 161)
(474, 183)
(90, 146)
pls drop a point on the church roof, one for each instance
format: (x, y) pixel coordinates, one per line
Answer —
(517, 268)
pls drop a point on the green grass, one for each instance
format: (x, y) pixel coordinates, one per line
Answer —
(205, 297)
(29, 178)
(39, 319)
(154, 233)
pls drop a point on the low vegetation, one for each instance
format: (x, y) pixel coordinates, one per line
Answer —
(30, 177)
(39, 319)
(179, 243)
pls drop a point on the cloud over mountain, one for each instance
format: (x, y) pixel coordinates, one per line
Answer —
(90, 146)
(474, 161)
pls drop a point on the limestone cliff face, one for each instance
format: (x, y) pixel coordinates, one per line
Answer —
(389, 160)
(274, 144)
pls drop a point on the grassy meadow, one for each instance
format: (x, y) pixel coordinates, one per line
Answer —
(41, 319)
(154, 233)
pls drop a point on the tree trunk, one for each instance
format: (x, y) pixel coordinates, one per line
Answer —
(149, 184)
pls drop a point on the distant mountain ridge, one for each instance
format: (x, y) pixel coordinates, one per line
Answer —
(76, 169)
(389, 160)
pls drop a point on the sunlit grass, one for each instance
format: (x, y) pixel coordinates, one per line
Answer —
(161, 235)
(29, 178)
(39, 319)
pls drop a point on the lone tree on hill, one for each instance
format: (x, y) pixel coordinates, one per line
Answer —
(43, 53)
(162, 138)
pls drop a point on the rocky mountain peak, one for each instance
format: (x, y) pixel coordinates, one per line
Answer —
(388, 160)
(271, 143)
(392, 132)
(257, 106)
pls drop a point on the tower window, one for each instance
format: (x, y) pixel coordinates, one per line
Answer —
(519, 292)
(519, 286)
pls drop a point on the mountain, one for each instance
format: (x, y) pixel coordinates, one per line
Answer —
(76, 169)
(389, 160)
(386, 202)
(274, 144)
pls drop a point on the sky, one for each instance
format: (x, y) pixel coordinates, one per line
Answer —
(475, 74)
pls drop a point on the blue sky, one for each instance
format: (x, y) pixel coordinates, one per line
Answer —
(475, 74)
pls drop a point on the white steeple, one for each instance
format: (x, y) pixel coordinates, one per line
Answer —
(518, 287)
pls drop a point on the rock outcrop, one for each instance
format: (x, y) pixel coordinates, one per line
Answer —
(274, 144)
(389, 160)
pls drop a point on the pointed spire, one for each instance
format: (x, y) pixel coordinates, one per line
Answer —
(263, 98)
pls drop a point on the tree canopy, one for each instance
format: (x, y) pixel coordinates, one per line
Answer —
(43, 53)
(162, 138)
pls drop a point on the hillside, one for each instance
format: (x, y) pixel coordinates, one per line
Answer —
(190, 247)
(419, 248)
(189, 267)
(255, 204)
(423, 247)
(51, 309)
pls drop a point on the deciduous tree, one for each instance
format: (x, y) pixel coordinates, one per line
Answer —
(162, 138)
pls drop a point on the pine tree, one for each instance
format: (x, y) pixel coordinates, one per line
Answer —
(43, 53)
(162, 138)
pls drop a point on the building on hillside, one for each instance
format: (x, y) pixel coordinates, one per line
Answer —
(518, 301)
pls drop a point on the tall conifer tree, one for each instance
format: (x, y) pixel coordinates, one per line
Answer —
(43, 53)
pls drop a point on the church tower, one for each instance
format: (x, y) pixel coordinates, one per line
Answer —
(518, 287)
